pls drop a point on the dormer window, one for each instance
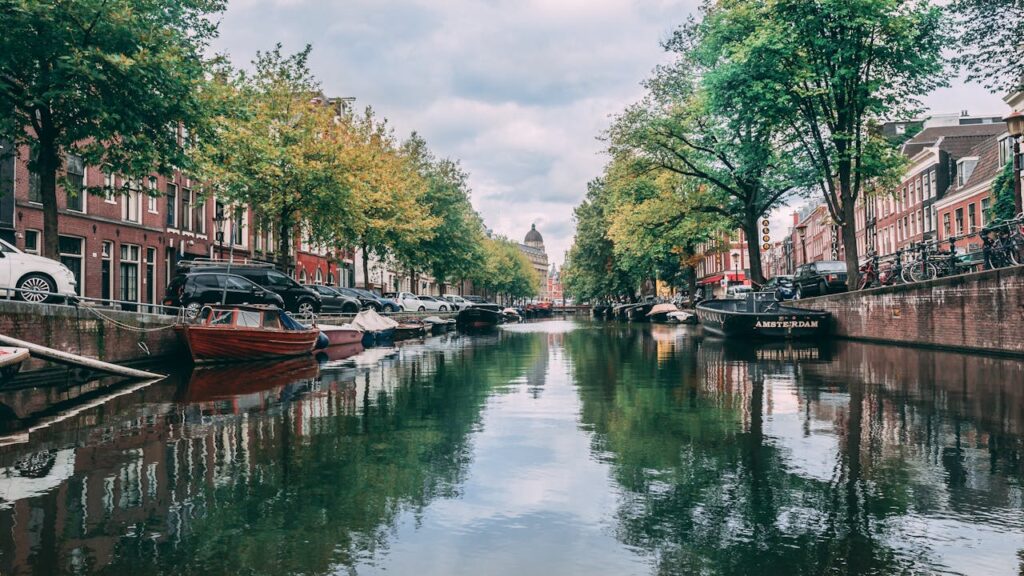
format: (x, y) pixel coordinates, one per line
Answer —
(1005, 150)
(964, 169)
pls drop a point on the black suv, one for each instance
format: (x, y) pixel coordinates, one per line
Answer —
(820, 278)
(193, 290)
(333, 300)
(297, 298)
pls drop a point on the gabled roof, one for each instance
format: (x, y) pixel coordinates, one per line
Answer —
(957, 141)
(988, 162)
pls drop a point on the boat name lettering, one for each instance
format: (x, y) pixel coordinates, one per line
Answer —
(786, 324)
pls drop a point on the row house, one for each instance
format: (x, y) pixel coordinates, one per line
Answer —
(815, 236)
(725, 263)
(126, 245)
(965, 208)
(938, 160)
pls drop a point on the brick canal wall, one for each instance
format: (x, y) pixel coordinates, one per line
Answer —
(981, 312)
(80, 330)
(111, 335)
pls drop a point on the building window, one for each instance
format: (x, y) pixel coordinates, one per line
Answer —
(330, 278)
(129, 267)
(986, 207)
(186, 209)
(72, 254)
(928, 184)
(75, 189)
(172, 202)
(199, 208)
(150, 278)
(959, 221)
(946, 232)
(109, 190)
(106, 271)
(302, 276)
(1005, 150)
(972, 216)
(131, 209)
(32, 241)
(238, 226)
(35, 191)
(319, 276)
(151, 195)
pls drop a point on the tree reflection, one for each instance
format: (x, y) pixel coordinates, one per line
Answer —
(705, 490)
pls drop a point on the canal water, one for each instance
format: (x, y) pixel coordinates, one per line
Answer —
(557, 447)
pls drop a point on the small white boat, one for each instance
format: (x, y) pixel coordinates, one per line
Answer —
(682, 317)
(10, 361)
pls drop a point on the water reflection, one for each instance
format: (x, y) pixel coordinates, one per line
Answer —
(554, 447)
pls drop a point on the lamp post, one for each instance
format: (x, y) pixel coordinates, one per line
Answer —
(1015, 126)
(218, 221)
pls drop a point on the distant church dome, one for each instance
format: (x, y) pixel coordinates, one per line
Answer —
(533, 238)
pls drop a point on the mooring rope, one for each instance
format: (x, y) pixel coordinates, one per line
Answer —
(120, 324)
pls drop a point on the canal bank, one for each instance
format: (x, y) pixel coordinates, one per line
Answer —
(981, 312)
(114, 336)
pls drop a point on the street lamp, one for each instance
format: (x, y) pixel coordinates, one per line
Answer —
(1015, 126)
(218, 221)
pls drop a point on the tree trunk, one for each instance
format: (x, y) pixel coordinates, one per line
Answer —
(284, 230)
(366, 270)
(47, 164)
(849, 232)
(691, 281)
(752, 231)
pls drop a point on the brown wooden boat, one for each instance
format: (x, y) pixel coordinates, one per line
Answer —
(246, 332)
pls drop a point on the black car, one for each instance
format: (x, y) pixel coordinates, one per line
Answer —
(334, 301)
(820, 278)
(297, 298)
(367, 301)
(194, 290)
(782, 286)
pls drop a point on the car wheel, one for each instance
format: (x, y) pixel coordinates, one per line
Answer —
(443, 308)
(799, 294)
(306, 308)
(192, 309)
(39, 283)
(422, 309)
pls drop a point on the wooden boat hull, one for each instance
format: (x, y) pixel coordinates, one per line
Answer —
(217, 344)
(215, 382)
(10, 361)
(784, 324)
(478, 318)
(407, 331)
(341, 335)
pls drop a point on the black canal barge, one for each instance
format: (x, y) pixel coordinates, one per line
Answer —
(759, 315)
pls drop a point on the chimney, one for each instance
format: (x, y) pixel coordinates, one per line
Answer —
(796, 218)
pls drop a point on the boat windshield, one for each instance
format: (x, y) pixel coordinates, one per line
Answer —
(249, 318)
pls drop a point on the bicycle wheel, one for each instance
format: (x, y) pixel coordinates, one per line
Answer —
(1015, 252)
(923, 271)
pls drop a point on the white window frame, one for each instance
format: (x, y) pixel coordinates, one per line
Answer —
(82, 193)
(80, 288)
(109, 188)
(152, 196)
(132, 200)
(39, 240)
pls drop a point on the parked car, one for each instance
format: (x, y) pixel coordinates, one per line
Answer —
(782, 286)
(739, 291)
(475, 299)
(31, 272)
(434, 303)
(366, 302)
(297, 298)
(193, 290)
(387, 304)
(333, 301)
(820, 278)
(457, 302)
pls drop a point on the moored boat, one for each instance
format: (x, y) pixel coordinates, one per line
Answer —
(439, 325)
(660, 312)
(10, 361)
(340, 335)
(407, 330)
(246, 332)
(759, 315)
(478, 317)
(377, 329)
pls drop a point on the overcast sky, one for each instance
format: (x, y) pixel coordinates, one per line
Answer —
(517, 90)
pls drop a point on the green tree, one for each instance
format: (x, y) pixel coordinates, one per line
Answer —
(1002, 192)
(506, 271)
(107, 80)
(706, 118)
(990, 41)
(455, 247)
(832, 68)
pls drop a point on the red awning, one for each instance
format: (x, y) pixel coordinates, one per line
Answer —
(711, 280)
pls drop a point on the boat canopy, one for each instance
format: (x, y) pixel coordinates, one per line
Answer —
(662, 309)
(249, 317)
(370, 321)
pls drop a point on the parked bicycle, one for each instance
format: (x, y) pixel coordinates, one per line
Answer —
(894, 273)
